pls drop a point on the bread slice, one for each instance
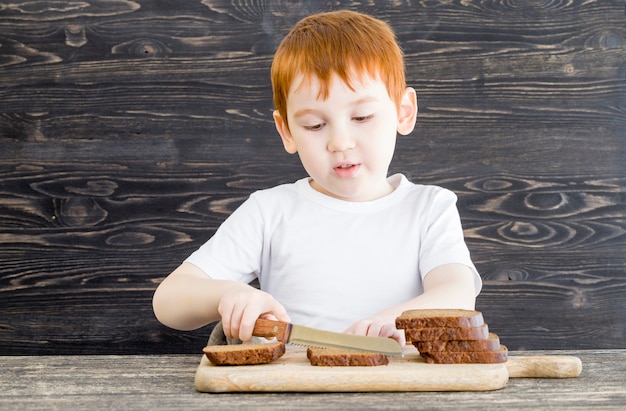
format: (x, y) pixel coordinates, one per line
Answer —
(432, 318)
(331, 357)
(447, 334)
(467, 357)
(244, 354)
(491, 343)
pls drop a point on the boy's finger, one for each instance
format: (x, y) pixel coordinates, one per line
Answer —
(279, 313)
(231, 320)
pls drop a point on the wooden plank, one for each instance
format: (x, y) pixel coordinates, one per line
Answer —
(158, 382)
(129, 131)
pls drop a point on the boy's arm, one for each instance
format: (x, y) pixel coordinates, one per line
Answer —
(188, 299)
(446, 286)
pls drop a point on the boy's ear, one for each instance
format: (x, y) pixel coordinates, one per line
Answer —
(285, 134)
(407, 113)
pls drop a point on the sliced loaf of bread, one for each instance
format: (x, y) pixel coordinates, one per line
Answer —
(491, 343)
(451, 336)
(333, 357)
(447, 334)
(442, 317)
(244, 354)
(466, 357)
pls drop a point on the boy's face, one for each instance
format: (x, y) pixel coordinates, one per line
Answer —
(346, 141)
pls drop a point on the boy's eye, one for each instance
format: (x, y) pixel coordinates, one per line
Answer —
(314, 127)
(362, 118)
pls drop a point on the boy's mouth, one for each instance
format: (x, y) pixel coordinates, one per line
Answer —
(347, 170)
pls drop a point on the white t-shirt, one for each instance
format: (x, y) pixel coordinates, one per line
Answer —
(331, 262)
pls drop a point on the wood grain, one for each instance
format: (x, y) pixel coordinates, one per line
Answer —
(293, 372)
(130, 130)
(165, 382)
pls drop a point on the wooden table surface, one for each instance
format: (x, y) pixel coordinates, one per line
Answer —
(167, 382)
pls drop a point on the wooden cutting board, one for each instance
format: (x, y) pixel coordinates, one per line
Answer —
(294, 373)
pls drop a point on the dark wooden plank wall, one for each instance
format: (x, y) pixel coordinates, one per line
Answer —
(129, 130)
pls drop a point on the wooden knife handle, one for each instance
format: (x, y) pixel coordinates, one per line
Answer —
(269, 329)
(543, 366)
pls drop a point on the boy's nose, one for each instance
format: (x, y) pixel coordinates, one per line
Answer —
(340, 140)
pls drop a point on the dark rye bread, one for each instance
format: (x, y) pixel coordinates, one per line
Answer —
(447, 334)
(491, 343)
(452, 336)
(334, 357)
(442, 317)
(466, 357)
(244, 354)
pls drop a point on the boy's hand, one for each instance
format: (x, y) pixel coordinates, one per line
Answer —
(241, 307)
(377, 327)
(446, 286)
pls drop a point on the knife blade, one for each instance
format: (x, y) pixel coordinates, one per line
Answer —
(312, 337)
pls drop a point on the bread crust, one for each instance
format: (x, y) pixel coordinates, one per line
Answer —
(467, 357)
(451, 336)
(244, 354)
(492, 343)
(447, 334)
(432, 318)
(330, 357)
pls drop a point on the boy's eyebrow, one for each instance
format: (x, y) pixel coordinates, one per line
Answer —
(362, 100)
(303, 112)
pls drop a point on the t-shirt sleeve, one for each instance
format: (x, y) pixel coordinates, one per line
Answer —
(234, 252)
(443, 241)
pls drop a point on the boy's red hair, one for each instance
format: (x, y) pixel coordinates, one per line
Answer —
(345, 43)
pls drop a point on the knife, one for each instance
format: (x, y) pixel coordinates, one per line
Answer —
(311, 337)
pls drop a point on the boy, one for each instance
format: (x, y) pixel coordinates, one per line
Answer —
(348, 248)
